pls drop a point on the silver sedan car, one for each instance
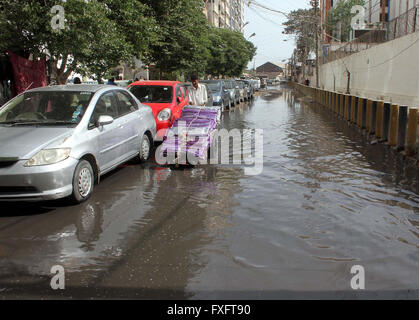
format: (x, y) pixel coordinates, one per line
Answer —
(57, 141)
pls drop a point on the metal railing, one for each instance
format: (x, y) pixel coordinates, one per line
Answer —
(404, 24)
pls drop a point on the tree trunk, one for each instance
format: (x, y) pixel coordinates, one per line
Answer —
(58, 75)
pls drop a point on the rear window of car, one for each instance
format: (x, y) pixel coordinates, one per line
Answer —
(214, 86)
(153, 94)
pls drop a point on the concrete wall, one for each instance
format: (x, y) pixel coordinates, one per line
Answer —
(389, 72)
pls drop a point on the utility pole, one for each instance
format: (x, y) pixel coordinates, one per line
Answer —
(315, 3)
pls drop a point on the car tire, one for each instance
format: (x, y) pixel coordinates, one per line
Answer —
(83, 182)
(145, 149)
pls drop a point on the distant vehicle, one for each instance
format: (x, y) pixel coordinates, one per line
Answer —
(210, 99)
(242, 90)
(258, 84)
(249, 89)
(57, 141)
(221, 96)
(166, 99)
(234, 92)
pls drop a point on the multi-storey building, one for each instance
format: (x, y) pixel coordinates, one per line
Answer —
(225, 13)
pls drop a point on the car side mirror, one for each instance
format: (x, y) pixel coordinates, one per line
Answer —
(104, 120)
(180, 99)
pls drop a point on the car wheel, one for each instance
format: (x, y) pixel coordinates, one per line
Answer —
(83, 182)
(145, 149)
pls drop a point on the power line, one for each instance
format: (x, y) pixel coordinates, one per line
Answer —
(266, 8)
(274, 22)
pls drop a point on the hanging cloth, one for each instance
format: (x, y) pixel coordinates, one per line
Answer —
(28, 74)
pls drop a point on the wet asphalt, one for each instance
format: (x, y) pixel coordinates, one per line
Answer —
(326, 200)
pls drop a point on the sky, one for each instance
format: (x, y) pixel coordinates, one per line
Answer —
(267, 25)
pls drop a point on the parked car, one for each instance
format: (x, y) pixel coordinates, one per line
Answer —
(221, 96)
(255, 84)
(166, 99)
(210, 99)
(249, 90)
(57, 141)
(234, 92)
(242, 90)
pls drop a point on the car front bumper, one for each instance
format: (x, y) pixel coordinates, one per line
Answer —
(217, 103)
(162, 127)
(49, 182)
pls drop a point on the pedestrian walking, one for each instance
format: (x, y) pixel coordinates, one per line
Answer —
(198, 95)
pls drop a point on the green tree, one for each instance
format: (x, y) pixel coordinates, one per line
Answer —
(340, 18)
(183, 30)
(139, 27)
(230, 52)
(95, 37)
(302, 23)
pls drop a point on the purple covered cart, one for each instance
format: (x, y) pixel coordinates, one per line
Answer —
(191, 136)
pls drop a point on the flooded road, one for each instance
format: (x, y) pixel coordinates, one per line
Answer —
(325, 202)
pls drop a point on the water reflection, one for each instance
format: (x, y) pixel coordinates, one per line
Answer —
(89, 225)
(321, 205)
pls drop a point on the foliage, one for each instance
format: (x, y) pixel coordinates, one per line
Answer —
(99, 35)
(230, 53)
(302, 23)
(94, 40)
(183, 28)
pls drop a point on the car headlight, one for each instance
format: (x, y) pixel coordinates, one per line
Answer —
(217, 98)
(164, 115)
(48, 156)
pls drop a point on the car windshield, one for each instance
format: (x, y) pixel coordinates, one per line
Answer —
(153, 94)
(214, 86)
(46, 107)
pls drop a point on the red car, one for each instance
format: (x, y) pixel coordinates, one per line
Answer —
(166, 99)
